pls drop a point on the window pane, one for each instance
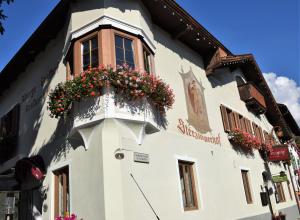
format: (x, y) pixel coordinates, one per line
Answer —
(118, 41)
(128, 44)
(119, 54)
(129, 57)
(94, 42)
(120, 62)
(86, 47)
(86, 60)
(94, 58)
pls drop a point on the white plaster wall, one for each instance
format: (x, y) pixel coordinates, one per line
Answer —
(101, 186)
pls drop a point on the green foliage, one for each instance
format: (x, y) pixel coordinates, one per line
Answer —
(2, 15)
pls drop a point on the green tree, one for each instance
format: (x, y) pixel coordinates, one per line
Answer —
(2, 15)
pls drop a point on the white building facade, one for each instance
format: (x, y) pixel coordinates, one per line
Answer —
(119, 164)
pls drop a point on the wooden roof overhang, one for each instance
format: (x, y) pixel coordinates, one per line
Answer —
(289, 119)
(252, 73)
(168, 15)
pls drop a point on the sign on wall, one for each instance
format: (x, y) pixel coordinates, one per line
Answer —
(279, 154)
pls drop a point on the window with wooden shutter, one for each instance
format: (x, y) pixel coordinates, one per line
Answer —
(248, 126)
(237, 121)
(188, 188)
(225, 118)
(231, 119)
(247, 188)
(243, 123)
(61, 192)
(257, 132)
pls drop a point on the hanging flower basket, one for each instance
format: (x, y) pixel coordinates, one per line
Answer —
(129, 85)
(244, 139)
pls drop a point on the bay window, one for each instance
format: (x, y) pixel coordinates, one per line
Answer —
(108, 47)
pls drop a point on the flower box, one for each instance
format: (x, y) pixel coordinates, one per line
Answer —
(244, 140)
(92, 110)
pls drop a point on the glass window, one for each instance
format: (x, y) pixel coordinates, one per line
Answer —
(124, 51)
(61, 192)
(90, 53)
(187, 182)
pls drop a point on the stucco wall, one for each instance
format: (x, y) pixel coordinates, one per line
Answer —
(101, 186)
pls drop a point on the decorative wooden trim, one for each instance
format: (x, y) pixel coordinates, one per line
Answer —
(106, 42)
(77, 58)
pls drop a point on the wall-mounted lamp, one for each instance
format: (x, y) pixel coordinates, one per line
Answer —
(119, 155)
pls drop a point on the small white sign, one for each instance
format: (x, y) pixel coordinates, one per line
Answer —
(141, 157)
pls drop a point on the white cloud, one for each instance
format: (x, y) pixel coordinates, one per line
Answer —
(285, 91)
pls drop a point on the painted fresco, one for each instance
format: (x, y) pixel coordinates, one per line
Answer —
(195, 102)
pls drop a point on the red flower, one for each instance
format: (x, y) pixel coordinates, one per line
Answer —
(93, 94)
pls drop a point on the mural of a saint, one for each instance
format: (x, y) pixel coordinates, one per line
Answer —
(195, 102)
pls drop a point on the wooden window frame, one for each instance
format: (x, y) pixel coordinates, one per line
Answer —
(151, 59)
(135, 42)
(89, 40)
(193, 191)
(65, 173)
(247, 186)
(78, 51)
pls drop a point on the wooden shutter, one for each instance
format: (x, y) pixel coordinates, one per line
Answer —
(260, 133)
(237, 120)
(248, 126)
(243, 124)
(225, 118)
(247, 187)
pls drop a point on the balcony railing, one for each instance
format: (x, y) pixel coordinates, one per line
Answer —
(253, 98)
